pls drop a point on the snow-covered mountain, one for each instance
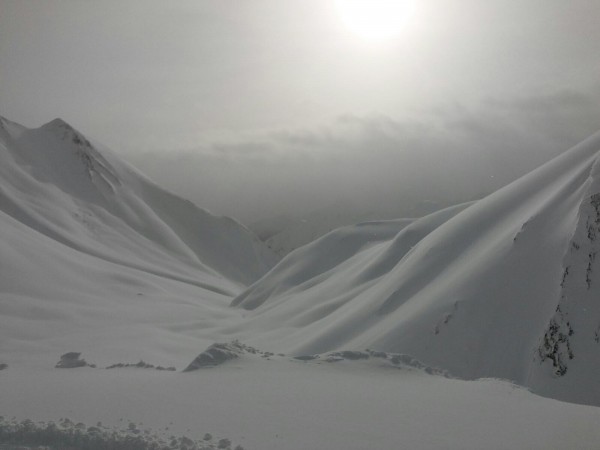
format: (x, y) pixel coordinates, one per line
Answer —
(506, 287)
(89, 244)
(56, 182)
(283, 233)
(101, 269)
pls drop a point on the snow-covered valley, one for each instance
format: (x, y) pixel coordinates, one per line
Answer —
(482, 319)
(295, 405)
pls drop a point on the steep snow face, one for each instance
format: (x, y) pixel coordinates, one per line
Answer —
(96, 258)
(57, 182)
(477, 292)
(568, 351)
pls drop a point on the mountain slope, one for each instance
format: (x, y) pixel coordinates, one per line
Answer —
(94, 254)
(97, 262)
(283, 234)
(56, 182)
(478, 294)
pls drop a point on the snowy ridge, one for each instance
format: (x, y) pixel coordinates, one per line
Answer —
(286, 233)
(91, 246)
(366, 331)
(571, 340)
(55, 169)
(473, 293)
(295, 233)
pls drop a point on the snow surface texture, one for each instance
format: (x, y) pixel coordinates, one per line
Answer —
(280, 404)
(94, 254)
(505, 288)
(96, 260)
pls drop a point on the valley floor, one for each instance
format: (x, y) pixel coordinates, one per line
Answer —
(286, 404)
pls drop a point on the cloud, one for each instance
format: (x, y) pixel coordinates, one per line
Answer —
(376, 162)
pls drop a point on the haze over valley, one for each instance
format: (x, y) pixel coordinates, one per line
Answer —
(282, 225)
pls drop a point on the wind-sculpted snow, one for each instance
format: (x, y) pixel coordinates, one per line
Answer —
(56, 182)
(388, 241)
(98, 262)
(503, 288)
(92, 252)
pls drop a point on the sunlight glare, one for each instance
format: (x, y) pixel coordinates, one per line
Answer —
(375, 20)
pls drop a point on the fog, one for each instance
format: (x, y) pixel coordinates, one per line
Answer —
(375, 163)
(271, 107)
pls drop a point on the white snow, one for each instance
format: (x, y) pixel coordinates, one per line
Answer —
(284, 234)
(98, 264)
(472, 291)
(94, 254)
(295, 405)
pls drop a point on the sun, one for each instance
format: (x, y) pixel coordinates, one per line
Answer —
(375, 20)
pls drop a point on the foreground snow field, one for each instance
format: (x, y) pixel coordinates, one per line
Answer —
(103, 268)
(506, 287)
(294, 405)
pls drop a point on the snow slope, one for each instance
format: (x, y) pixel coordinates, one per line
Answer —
(99, 264)
(90, 248)
(292, 405)
(56, 182)
(504, 288)
(312, 227)
(283, 234)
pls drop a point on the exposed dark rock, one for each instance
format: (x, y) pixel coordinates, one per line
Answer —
(555, 345)
(348, 354)
(306, 357)
(140, 365)
(72, 360)
(219, 353)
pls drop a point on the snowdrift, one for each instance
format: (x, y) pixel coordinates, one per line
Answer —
(507, 287)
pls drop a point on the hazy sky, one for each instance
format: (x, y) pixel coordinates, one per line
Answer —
(254, 107)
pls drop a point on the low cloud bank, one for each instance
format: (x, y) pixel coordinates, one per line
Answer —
(448, 155)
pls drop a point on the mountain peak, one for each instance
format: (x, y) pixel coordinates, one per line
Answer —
(66, 132)
(91, 193)
(13, 129)
(57, 123)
